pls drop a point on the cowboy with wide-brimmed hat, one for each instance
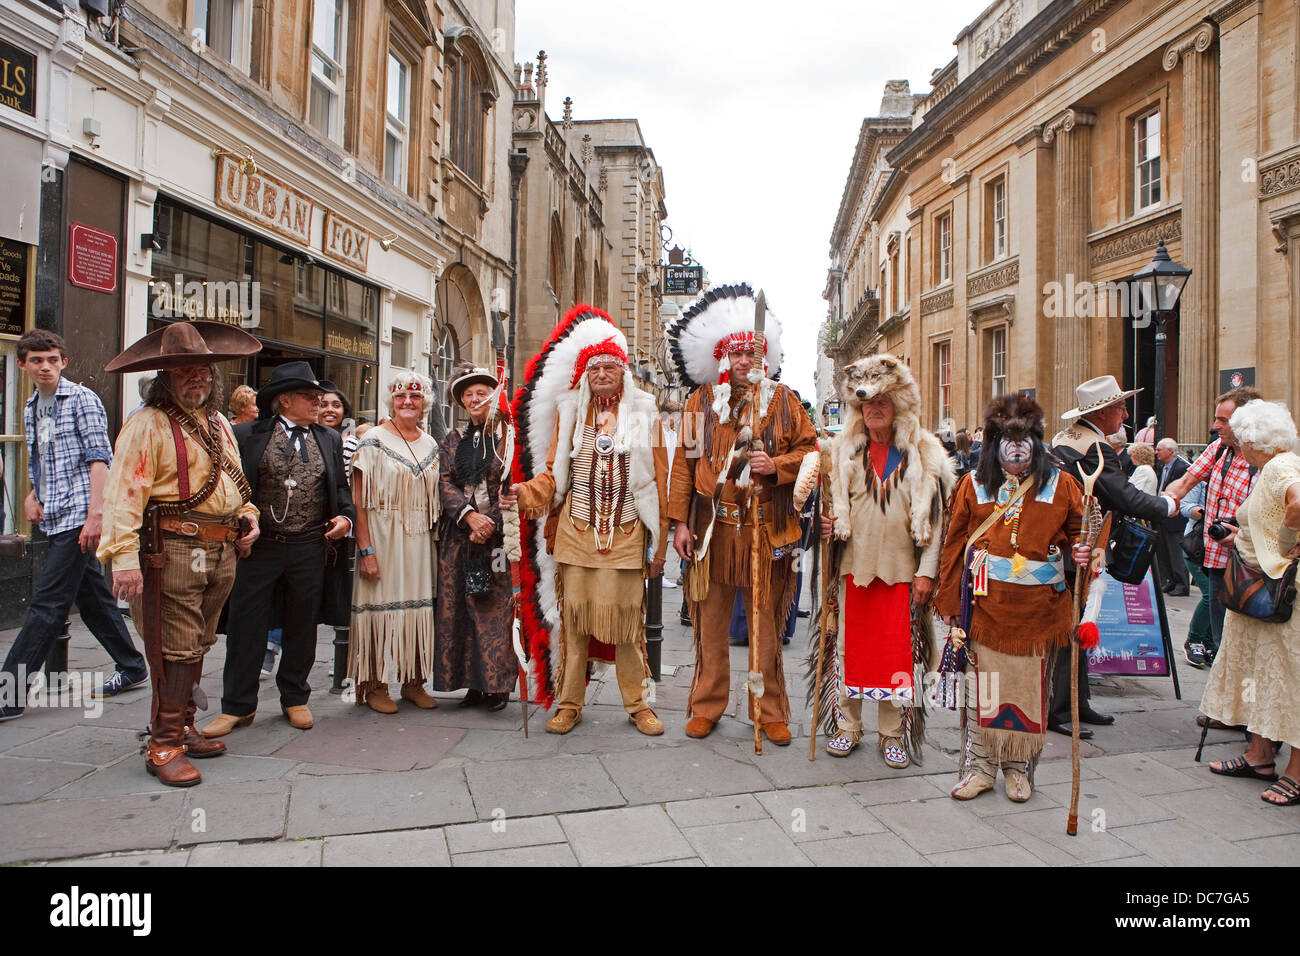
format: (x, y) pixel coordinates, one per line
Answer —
(1100, 410)
(300, 485)
(176, 488)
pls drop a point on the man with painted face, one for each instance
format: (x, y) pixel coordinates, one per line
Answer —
(1101, 411)
(1002, 574)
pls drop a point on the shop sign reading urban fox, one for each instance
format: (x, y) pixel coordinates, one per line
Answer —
(263, 200)
(345, 241)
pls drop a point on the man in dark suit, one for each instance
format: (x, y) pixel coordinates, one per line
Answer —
(1100, 412)
(295, 467)
(1169, 553)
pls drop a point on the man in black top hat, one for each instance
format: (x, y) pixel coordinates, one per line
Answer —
(295, 467)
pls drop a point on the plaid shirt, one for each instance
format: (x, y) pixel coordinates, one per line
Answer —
(80, 437)
(1230, 480)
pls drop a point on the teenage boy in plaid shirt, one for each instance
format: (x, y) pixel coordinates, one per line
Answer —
(68, 456)
(1228, 480)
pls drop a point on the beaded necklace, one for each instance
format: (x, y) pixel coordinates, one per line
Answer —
(1012, 518)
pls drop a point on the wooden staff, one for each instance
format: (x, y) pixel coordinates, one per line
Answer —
(757, 600)
(1091, 529)
(823, 620)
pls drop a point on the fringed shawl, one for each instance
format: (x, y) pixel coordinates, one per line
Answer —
(392, 481)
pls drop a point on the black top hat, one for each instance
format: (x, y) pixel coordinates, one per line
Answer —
(289, 377)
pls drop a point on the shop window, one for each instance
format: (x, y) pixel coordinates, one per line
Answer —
(351, 315)
(358, 381)
(290, 296)
(328, 46)
(396, 123)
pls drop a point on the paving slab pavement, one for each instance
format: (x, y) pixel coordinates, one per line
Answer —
(461, 787)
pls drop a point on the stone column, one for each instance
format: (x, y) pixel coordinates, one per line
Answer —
(1198, 337)
(1070, 134)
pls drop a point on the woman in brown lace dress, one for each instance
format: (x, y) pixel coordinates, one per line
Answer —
(474, 614)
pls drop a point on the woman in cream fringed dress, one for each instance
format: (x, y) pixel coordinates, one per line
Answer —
(395, 487)
(1255, 679)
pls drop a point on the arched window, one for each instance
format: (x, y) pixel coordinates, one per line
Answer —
(557, 260)
(470, 94)
(579, 280)
(448, 356)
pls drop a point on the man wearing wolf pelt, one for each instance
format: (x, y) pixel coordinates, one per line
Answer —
(1002, 580)
(889, 482)
(743, 443)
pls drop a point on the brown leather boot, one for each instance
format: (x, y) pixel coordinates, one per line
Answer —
(375, 694)
(165, 751)
(196, 745)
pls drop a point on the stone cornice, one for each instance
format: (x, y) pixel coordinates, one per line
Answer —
(936, 301)
(1225, 11)
(1196, 40)
(1049, 33)
(1065, 121)
(996, 277)
(980, 312)
(1280, 175)
(1136, 237)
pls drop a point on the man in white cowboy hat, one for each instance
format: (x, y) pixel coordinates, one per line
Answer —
(177, 509)
(1100, 411)
(299, 483)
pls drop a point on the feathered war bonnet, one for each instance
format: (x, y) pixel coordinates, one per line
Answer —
(719, 324)
(585, 335)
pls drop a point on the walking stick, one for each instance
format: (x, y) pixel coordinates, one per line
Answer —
(1091, 529)
(757, 601)
(823, 619)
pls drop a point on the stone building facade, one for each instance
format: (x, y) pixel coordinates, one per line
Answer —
(332, 175)
(1061, 143)
(591, 206)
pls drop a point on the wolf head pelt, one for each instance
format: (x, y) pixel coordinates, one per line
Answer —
(1015, 418)
(929, 476)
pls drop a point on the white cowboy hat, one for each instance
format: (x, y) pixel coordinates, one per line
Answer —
(1097, 393)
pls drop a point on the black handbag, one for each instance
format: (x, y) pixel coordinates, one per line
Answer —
(478, 572)
(1253, 593)
(1129, 552)
(1193, 543)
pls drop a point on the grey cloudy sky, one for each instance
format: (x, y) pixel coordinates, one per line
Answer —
(752, 108)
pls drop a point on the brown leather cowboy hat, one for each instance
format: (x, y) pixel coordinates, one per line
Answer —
(179, 344)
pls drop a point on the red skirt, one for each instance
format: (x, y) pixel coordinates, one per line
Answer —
(878, 640)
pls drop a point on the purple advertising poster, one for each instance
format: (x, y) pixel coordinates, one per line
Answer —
(1129, 623)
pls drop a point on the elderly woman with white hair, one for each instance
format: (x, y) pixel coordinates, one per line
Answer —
(395, 487)
(1258, 656)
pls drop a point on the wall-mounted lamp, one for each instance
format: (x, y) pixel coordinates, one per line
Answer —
(386, 242)
(247, 165)
(150, 242)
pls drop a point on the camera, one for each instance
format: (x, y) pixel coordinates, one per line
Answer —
(1218, 530)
